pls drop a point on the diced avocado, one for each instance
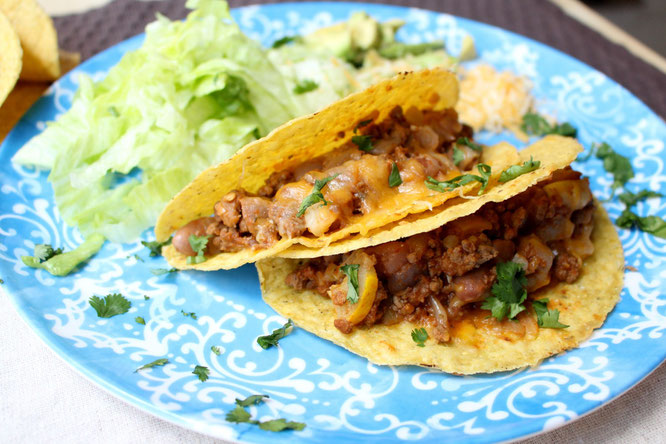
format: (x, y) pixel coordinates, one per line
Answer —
(389, 28)
(468, 50)
(365, 32)
(335, 38)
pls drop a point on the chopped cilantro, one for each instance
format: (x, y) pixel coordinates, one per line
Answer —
(198, 244)
(508, 291)
(458, 156)
(351, 271)
(364, 143)
(137, 257)
(305, 86)
(630, 199)
(419, 336)
(649, 224)
(146, 297)
(202, 372)
(278, 425)
(44, 252)
(256, 134)
(112, 305)
(271, 340)
(316, 195)
(285, 40)
(547, 318)
(468, 143)
(190, 314)
(140, 320)
(448, 185)
(1, 281)
(215, 349)
(240, 415)
(394, 179)
(161, 271)
(518, 170)
(535, 125)
(614, 163)
(251, 400)
(158, 362)
(155, 247)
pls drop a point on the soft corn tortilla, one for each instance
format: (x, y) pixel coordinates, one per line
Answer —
(583, 306)
(38, 38)
(10, 57)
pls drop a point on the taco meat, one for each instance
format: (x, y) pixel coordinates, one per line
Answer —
(382, 162)
(439, 278)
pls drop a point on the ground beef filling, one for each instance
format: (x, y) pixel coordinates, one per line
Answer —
(419, 143)
(437, 278)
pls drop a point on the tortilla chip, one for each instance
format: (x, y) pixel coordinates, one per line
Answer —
(583, 306)
(38, 38)
(10, 57)
(554, 153)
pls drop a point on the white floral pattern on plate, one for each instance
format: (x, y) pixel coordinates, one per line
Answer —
(337, 394)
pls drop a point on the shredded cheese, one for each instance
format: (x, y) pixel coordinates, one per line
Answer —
(494, 100)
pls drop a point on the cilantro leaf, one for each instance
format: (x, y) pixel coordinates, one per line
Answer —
(140, 320)
(198, 244)
(394, 179)
(1, 281)
(614, 163)
(316, 195)
(285, 40)
(158, 362)
(535, 125)
(146, 297)
(277, 425)
(547, 318)
(156, 247)
(137, 257)
(305, 86)
(649, 224)
(459, 181)
(215, 349)
(190, 314)
(202, 372)
(361, 124)
(465, 141)
(256, 134)
(351, 271)
(419, 336)
(518, 170)
(240, 415)
(161, 271)
(508, 291)
(364, 143)
(44, 252)
(458, 156)
(112, 305)
(271, 340)
(630, 199)
(251, 400)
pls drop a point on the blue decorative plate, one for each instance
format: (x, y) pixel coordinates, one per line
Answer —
(339, 395)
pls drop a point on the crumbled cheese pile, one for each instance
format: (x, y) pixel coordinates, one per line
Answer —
(493, 100)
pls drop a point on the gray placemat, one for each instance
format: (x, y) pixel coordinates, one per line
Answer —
(96, 30)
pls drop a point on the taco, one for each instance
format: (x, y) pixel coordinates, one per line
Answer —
(499, 282)
(357, 165)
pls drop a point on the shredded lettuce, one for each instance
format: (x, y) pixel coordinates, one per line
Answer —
(192, 95)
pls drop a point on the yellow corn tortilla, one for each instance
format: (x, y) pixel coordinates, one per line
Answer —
(583, 306)
(10, 57)
(38, 39)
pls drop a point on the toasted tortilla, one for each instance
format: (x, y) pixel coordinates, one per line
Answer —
(38, 38)
(10, 57)
(583, 306)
